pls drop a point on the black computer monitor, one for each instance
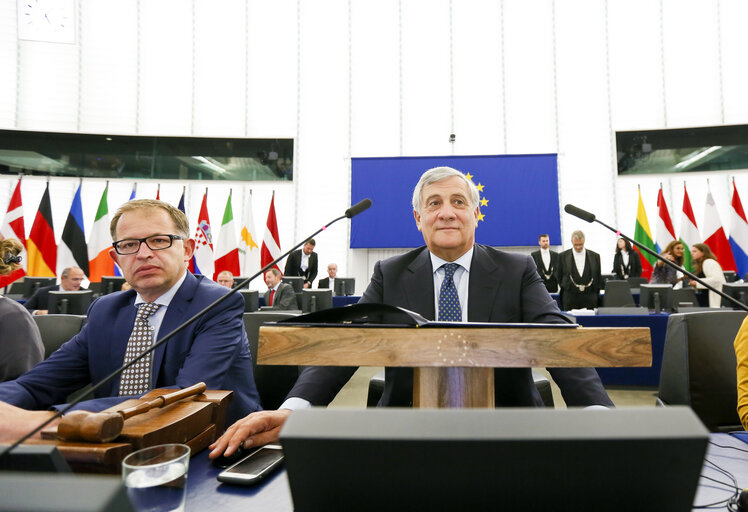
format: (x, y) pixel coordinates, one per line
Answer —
(110, 284)
(345, 285)
(42, 458)
(296, 281)
(737, 291)
(251, 300)
(239, 279)
(316, 300)
(656, 296)
(494, 459)
(69, 303)
(730, 276)
(31, 284)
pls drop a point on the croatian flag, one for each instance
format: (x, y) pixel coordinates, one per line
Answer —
(738, 232)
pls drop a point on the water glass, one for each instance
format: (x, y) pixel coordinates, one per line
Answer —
(156, 477)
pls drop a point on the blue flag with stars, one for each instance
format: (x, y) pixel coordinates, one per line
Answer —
(518, 198)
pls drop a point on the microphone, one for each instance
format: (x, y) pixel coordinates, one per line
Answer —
(357, 208)
(350, 212)
(590, 217)
(578, 212)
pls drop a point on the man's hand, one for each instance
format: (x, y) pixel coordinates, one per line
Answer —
(18, 422)
(307, 284)
(256, 429)
(41, 311)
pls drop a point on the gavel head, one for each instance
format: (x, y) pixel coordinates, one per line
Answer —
(99, 427)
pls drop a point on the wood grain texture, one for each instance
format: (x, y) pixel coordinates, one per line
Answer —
(453, 387)
(461, 347)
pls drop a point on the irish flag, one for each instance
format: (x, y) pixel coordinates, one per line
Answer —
(227, 250)
(689, 233)
(99, 262)
(643, 235)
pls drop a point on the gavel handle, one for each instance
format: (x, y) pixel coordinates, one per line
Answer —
(163, 400)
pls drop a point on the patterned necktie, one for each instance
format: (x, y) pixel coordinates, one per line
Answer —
(136, 380)
(449, 302)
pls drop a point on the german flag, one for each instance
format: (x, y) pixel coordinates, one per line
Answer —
(41, 246)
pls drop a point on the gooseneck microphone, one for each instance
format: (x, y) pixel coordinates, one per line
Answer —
(349, 213)
(590, 217)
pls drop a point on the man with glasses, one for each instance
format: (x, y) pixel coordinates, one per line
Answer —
(152, 247)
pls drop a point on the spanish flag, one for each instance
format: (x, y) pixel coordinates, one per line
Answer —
(41, 246)
(643, 235)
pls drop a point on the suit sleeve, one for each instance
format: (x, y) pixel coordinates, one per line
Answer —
(287, 299)
(33, 303)
(313, 259)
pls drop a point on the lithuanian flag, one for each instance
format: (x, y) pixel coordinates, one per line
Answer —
(643, 235)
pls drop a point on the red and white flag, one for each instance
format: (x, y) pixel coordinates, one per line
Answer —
(665, 230)
(203, 258)
(714, 235)
(271, 241)
(13, 227)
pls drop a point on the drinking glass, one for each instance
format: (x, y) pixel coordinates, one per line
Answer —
(156, 477)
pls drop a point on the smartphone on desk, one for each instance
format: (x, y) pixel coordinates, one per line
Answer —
(254, 467)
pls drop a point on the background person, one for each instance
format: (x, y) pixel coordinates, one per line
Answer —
(579, 275)
(626, 262)
(70, 280)
(280, 295)
(225, 279)
(664, 274)
(547, 262)
(329, 281)
(303, 262)
(705, 266)
(21, 346)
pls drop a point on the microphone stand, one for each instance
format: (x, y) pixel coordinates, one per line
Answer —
(589, 217)
(349, 213)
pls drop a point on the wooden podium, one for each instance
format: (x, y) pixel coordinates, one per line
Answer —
(453, 364)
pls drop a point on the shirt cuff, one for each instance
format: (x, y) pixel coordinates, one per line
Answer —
(295, 403)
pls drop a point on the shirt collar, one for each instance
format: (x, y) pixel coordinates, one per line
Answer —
(463, 261)
(164, 299)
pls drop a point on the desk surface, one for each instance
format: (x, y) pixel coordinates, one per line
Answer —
(204, 492)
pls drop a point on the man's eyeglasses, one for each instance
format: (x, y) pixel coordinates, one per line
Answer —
(154, 243)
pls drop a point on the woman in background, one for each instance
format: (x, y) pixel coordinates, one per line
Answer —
(664, 274)
(20, 342)
(706, 267)
(626, 263)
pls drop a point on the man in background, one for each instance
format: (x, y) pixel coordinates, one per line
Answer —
(329, 282)
(303, 262)
(225, 278)
(279, 295)
(71, 280)
(547, 263)
(579, 275)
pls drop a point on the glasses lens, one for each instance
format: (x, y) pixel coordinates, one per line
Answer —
(158, 242)
(128, 246)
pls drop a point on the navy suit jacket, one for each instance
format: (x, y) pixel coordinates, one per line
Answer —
(40, 299)
(213, 349)
(503, 287)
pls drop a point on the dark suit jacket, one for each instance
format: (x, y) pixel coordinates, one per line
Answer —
(213, 349)
(323, 283)
(503, 287)
(633, 269)
(40, 299)
(293, 268)
(551, 284)
(566, 266)
(285, 297)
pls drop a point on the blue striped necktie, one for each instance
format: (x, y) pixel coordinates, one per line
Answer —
(449, 302)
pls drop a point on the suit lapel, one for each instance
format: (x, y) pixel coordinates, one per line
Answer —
(175, 315)
(123, 328)
(417, 286)
(484, 285)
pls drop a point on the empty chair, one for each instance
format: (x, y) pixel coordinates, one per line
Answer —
(57, 329)
(273, 382)
(698, 367)
(617, 294)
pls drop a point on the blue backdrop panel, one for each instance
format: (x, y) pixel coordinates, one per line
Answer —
(519, 198)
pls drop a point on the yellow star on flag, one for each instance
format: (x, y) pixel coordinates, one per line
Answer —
(479, 187)
(469, 176)
(480, 217)
(484, 202)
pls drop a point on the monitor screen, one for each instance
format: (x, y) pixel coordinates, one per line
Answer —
(43, 458)
(239, 279)
(494, 459)
(345, 285)
(737, 291)
(251, 300)
(656, 296)
(31, 284)
(69, 303)
(111, 284)
(316, 300)
(296, 281)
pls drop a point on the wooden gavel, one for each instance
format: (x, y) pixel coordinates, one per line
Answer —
(102, 427)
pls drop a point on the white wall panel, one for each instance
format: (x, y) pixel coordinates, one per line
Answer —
(220, 68)
(271, 30)
(478, 116)
(528, 76)
(8, 64)
(375, 78)
(166, 68)
(636, 86)
(692, 86)
(734, 45)
(109, 66)
(425, 76)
